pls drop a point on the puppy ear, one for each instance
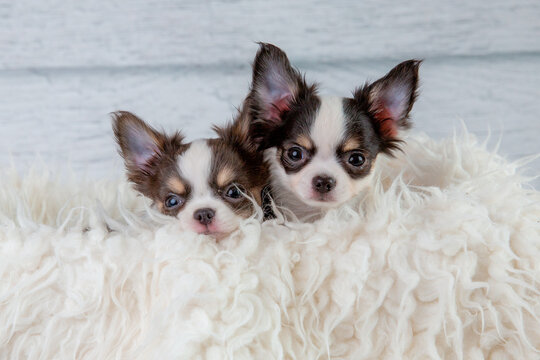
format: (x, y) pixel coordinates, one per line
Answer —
(390, 99)
(275, 86)
(141, 146)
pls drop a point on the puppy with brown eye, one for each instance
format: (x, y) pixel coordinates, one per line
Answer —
(205, 184)
(320, 150)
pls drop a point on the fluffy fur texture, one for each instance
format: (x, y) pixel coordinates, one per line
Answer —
(438, 260)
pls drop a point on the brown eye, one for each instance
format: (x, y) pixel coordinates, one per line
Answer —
(356, 159)
(294, 158)
(295, 153)
(173, 201)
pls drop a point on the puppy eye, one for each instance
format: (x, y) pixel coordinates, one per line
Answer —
(356, 159)
(295, 153)
(234, 191)
(173, 201)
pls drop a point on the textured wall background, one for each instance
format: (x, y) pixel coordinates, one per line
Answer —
(64, 65)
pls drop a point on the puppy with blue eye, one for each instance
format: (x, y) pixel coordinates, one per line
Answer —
(205, 184)
(320, 150)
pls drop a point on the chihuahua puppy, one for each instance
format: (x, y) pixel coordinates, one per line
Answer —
(204, 184)
(320, 150)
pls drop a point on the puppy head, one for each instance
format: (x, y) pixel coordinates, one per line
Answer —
(204, 183)
(322, 149)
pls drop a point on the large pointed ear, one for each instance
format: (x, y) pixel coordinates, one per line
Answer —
(276, 84)
(390, 99)
(141, 146)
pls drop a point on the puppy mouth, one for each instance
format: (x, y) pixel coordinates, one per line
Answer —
(322, 199)
(210, 230)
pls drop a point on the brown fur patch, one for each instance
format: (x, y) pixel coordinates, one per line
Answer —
(161, 207)
(350, 144)
(256, 192)
(225, 176)
(304, 141)
(176, 185)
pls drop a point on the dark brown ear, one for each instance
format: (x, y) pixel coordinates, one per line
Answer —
(141, 146)
(275, 86)
(390, 99)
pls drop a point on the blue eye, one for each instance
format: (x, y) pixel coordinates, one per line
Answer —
(234, 192)
(173, 201)
(295, 153)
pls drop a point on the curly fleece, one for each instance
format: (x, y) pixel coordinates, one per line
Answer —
(440, 259)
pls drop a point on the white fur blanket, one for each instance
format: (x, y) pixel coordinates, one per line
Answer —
(440, 260)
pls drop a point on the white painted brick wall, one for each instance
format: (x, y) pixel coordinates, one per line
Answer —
(64, 65)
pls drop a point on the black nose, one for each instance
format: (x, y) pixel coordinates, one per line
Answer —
(323, 184)
(204, 216)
